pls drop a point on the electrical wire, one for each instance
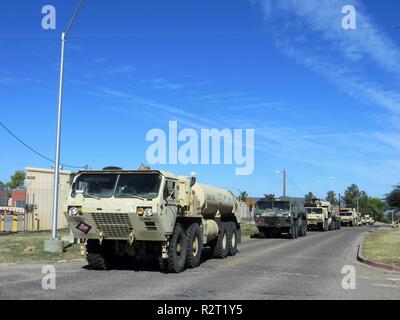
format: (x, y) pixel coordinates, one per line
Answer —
(37, 152)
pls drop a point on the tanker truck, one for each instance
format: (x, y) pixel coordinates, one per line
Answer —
(136, 213)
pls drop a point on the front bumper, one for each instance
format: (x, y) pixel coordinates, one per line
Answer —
(115, 226)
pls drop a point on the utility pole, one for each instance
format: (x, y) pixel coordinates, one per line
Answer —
(54, 244)
(284, 182)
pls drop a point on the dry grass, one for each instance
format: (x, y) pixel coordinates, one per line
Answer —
(383, 246)
(28, 247)
(248, 228)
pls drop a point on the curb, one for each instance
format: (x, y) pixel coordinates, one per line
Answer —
(376, 264)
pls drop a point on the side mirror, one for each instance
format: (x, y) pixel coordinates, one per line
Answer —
(192, 179)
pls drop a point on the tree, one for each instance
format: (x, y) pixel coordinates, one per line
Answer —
(393, 198)
(243, 196)
(2, 185)
(17, 180)
(331, 197)
(374, 207)
(269, 197)
(350, 196)
(308, 198)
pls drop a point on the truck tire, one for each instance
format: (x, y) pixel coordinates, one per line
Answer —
(96, 255)
(195, 246)
(177, 250)
(221, 243)
(232, 238)
(301, 228)
(291, 233)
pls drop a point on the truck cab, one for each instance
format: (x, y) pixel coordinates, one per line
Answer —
(320, 216)
(280, 216)
(349, 217)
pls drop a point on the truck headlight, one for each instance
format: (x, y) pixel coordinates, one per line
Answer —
(148, 212)
(140, 211)
(74, 211)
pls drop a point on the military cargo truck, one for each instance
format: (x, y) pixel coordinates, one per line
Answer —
(284, 215)
(319, 216)
(349, 217)
(140, 212)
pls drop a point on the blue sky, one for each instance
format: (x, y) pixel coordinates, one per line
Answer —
(324, 102)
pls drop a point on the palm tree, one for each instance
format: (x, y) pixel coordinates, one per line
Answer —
(243, 196)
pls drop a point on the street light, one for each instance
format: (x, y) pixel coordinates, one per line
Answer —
(55, 245)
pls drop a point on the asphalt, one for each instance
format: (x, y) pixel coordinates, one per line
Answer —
(304, 268)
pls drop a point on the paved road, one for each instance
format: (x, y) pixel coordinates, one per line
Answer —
(306, 268)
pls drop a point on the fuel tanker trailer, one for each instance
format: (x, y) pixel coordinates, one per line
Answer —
(150, 212)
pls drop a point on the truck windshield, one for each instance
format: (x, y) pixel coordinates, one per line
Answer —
(282, 205)
(138, 185)
(98, 185)
(346, 213)
(314, 210)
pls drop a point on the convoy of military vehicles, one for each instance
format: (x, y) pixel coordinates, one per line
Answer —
(135, 213)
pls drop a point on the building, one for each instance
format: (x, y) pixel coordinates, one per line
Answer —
(18, 198)
(3, 198)
(39, 194)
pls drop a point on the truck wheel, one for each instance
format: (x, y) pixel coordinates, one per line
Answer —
(177, 250)
(97, 255)
(233, 239)
(221, 245)
(195, 246)
(291, 232)
(301, 229)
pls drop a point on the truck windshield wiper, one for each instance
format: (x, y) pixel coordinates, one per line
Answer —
(131, 195)
(91, 196)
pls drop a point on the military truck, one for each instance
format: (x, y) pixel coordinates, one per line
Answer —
(284, 215)
(349, 217)
(137, 213)
(320, 216)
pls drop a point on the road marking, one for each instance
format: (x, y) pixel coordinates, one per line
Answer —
(384, 285)
(292, 274)
(392, 279)
(364, 277)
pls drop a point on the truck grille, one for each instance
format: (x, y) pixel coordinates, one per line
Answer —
(113, 225)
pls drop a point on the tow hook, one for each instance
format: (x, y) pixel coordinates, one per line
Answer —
(164, 250)
(131, 238)
(101, 237)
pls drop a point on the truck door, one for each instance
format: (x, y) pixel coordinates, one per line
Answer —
(170, 204)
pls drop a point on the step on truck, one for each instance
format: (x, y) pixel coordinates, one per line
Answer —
(137, 213)
(282, 216)
(321, 217)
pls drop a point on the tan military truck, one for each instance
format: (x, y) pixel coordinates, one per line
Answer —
(319, 216)
(349, 217)
(141, 212)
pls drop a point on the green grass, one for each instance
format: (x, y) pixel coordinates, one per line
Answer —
(383, 246)
(248, 228)
(28, 247)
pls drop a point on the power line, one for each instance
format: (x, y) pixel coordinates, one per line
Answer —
(295, 185)
(37, 152)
